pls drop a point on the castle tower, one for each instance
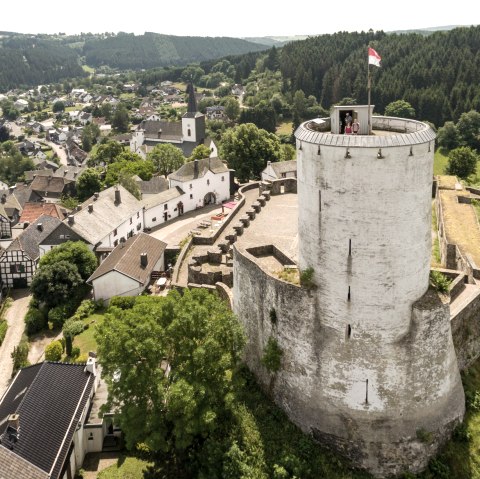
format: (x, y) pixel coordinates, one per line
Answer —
(193, 122)
(369, 367)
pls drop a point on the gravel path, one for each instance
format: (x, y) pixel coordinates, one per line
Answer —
(14, 316)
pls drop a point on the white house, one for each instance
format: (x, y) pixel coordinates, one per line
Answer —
(107, 218)
(279, 169)
(160, 208)
(21, 104)
(128, 268)
(204, 182)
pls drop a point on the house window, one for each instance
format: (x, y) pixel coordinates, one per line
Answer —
(17, 268)
(165, 207)
(138, 214)
(191, 197)
(131, 220)
(190, 186)
(223, 178)
(284, 175)
(65, 237)
(189, 133)
(139, 226)
(154, 218)
(115, 243)
(208, 182)
(115, 232)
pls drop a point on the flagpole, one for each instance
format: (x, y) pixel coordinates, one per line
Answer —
(369, 88)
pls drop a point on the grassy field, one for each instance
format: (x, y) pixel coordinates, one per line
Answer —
(85, 341)
(440, 161)
(88, 69)
(126, 467)
(127, 96)
(284, 128)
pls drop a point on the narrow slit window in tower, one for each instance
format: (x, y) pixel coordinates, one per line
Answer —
(348, 297)
(319, 201)
(349, 247)
(348, 332)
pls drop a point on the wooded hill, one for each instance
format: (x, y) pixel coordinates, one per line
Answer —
(30, 60)
(438, 74)
(127, 51)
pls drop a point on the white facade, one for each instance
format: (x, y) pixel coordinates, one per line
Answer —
(159, 213)
(189, 129)
(131, 226)
(114, 283)
(210, 188)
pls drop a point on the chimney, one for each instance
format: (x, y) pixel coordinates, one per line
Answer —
(143, 260)
(71, 219)
(26, 224)
(14, 421)
(195, 168)
(39, 227)
(118, 198)
(90, 366)
(90, 208)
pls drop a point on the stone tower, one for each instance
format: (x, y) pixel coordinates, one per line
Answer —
(369, 366)
(193, 122)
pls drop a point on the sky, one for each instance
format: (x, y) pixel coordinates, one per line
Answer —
(245, 18)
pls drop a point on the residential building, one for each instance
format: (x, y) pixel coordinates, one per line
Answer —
(128, 268)
(44, 421)
(162, 207)
(207, 181)
(107, 218)
(155, 185)
(279, 169)
(21, 104)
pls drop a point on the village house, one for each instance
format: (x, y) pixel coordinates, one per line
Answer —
(127, 270)
(45, 421)
(155, 185)
(52, 188)
(279, 169)
(162, 207)
(205, 182)
(107, 218)
(19, 261)
(5, 224)
(216, 112)
(21, 104)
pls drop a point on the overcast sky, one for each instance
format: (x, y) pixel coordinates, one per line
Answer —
(245, 18)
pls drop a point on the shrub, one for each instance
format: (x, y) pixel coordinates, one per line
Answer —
(58, 315)
(82, 358)
(424, 436)
(123, 302)
(306, 278)
(461, 433)
(71, 328)
(75, 352)
(35, 320)
(20, 355)
(3, 330)
(53, 351)
(272, 355)
(86, 308)
(439, 281)
(439, 469)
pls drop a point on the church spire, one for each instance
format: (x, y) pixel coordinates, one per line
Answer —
(192, 103)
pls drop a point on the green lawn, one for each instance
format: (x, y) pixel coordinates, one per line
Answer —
(88, 69)
(85, 341)
(284, 128)
(126, 468)
(440, 161)
(127, 96)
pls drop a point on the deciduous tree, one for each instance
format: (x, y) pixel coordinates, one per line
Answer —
(168, 363)
(166, 158)
(462, 162)
(400, 109)
(88, 183)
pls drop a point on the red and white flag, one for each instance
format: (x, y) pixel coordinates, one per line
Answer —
(373, 57)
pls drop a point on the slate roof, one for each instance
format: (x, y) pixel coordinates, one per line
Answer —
(49, 184)
(13, 466)
(125, 258)
(162, 197)
(280, 167)
(106, 215)
(11, 202)
(49, 398)
(32, 236)
(156, 185)
(32, 211)
(61, 234)
(188, 171)
(161, 129)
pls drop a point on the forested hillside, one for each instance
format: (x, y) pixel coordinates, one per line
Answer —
(438, 74)
(27, 61)
(127, 51)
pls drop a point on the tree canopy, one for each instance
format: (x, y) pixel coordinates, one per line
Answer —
(247, 149)
(462, 162)
(12, 163)
(88, 183)
(166, 158)
(199, 153)
(400, 109)
(168, 363)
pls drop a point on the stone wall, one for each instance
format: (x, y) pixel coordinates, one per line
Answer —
(466, 333)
